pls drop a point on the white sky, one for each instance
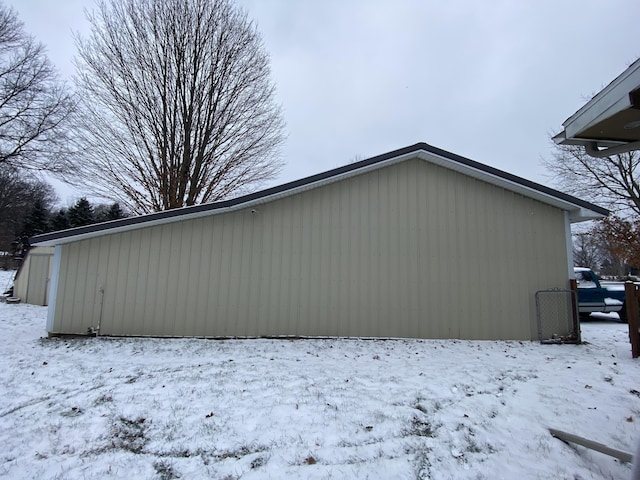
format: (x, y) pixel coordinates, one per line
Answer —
(486, 80)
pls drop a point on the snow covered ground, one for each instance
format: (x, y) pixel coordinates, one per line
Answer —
(344, 408)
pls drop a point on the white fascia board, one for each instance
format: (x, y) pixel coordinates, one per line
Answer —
(126, 228)
(219, 211)
(576, 212)
(610, 100)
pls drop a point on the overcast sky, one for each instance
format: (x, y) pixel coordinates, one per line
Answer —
(356, 78)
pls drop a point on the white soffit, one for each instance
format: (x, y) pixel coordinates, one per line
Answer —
(611, 100)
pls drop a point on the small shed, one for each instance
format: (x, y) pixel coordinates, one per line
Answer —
(418, 242)
(31, 283)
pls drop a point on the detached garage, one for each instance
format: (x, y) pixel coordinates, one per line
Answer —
(418, 242)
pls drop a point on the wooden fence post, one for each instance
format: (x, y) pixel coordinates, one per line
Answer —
(573, 286)
(631, 294)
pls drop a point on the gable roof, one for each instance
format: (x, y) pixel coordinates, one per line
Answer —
(579, 210)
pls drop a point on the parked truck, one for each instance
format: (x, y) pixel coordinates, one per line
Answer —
(596, 296)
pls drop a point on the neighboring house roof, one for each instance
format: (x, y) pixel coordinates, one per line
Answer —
(579, 210)
(610, 120)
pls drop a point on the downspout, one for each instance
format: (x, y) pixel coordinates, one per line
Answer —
(575, 320)
(593, 151)
(97, 329)
(569, 245)
(53, 292)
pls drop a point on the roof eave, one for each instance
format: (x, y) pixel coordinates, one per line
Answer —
(611, 100)
(421, 150)
(583, 215)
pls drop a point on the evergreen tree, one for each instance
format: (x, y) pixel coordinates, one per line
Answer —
(38, 220)
(35, 223)
(81, 213)
(106, 213)
(60, 221)
(115, 212)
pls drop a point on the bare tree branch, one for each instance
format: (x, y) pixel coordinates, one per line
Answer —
(34, 105)
(178, 105)
(612, 181)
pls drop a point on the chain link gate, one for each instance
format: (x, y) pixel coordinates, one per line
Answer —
(557, 315)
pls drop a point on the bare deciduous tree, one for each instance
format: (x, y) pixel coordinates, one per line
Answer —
(612, 181)
(602, 248)
(178, 103)
(33, 103)
(587, 251)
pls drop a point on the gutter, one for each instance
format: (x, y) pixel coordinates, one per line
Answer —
(593, 150)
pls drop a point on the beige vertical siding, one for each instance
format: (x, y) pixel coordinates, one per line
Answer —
(31, 284)
(410, 250)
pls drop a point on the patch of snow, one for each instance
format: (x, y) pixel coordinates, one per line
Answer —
(612, 302)
(330, 408)
(613, 286)
(6, 280)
